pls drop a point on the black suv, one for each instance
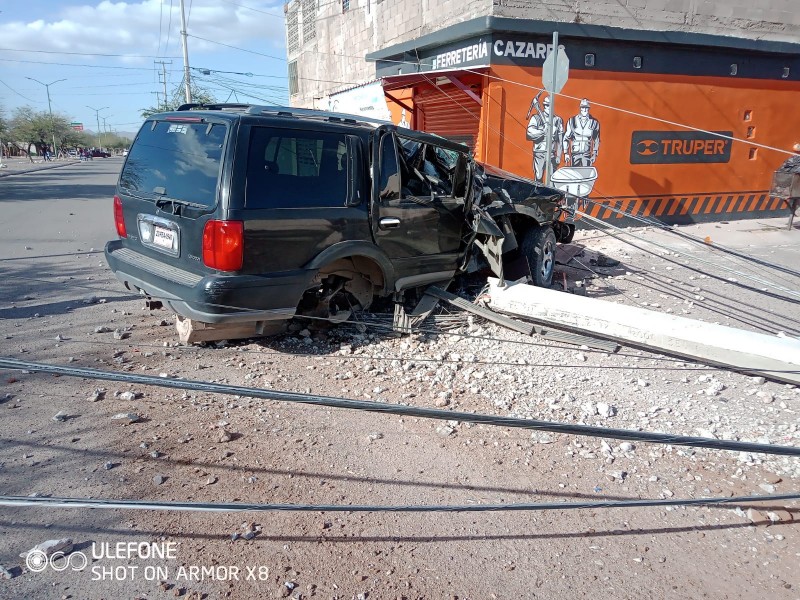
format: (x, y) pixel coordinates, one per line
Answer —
(240, 216)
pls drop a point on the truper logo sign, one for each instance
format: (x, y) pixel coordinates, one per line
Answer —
(680, 147)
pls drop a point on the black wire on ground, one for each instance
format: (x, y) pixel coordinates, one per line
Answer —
(54, 502)
(654, 222)
(407, 411)
(618, 233)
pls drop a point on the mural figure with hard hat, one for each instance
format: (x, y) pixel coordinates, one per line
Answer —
(582, 140)
(538, 128)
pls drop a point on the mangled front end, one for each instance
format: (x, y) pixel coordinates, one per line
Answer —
(505, 210)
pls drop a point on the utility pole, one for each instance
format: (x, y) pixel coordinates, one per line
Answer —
(163, 77)
(97, 116)
(50, 108)
(186, 80)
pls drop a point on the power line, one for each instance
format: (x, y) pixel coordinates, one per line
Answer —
(197, 37)
(173, 506)
(160, 23)
(169, 27)
(44, 62)
(16, 92)
(263, 12)
(85, 53)
(407, 411)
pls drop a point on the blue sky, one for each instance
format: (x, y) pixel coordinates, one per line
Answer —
(106, 50)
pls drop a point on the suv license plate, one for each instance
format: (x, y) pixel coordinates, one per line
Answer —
(164, 238)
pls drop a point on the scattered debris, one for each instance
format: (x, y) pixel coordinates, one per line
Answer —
(61, 416)
(127, 418)
(50, 547)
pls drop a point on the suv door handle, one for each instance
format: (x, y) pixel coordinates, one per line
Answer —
(389, 223)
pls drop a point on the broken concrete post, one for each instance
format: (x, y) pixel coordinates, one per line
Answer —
(773, 357)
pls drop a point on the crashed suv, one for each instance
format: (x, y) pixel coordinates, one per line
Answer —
(240, 217)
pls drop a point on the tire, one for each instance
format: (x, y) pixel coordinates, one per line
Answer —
(570, 234)
(539, 248)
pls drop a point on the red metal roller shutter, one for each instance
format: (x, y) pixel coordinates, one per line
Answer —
(450, 113)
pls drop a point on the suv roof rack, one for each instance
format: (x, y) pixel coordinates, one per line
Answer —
(215, 106)
(288, 111)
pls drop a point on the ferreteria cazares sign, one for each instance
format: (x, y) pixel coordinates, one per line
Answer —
(680, 147)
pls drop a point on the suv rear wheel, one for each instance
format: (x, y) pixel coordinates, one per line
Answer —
(539, 248)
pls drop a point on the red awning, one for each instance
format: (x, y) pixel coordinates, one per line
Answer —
(428, 78)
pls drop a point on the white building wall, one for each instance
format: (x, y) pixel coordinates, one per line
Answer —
(335, 57)
(333, 60)
(775, 20)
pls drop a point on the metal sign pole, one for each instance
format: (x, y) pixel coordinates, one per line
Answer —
(548, 165)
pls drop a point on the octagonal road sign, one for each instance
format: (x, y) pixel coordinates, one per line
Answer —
(557, 62)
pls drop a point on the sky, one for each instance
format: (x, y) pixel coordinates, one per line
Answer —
(106, 53)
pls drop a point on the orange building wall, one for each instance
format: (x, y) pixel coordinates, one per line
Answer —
(714, 104)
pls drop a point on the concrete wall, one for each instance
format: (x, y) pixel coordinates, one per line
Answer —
(336, 55)
(333, 60)
(777, 20)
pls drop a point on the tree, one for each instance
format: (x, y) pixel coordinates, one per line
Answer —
(33, 129)
(199, 96)
(3, 133)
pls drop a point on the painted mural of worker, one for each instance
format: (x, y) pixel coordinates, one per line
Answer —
(582, 139)
(403, 120)
(538, 127)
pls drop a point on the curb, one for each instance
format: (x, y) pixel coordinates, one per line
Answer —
(22, 172)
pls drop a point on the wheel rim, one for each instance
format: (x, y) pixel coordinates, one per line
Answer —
(547, 260)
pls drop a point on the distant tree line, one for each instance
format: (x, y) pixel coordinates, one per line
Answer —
(28, 130)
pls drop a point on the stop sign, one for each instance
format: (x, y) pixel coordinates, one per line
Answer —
(555, 71)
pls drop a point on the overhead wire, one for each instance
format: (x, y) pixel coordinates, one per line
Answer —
(16, 92)
(169, 27)
(585, 215)
(160, 24)
(263, 12)
(652, 221)
(65, 52)
(745, 262)
(237, 507)
(620, 233)
(750, 142)
(403, 410)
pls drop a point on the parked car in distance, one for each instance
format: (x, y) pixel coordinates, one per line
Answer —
(100, 153)
(240, 217)
(125, 152)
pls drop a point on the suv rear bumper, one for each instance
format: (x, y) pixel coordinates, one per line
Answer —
(213, 298)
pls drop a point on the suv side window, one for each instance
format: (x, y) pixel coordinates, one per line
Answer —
(289, 168)
(389, 183)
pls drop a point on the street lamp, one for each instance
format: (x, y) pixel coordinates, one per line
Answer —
(50, 108)
(97, 116)
(105, 127)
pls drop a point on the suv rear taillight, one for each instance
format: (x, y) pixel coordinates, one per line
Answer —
(119, 218)
(223, 245)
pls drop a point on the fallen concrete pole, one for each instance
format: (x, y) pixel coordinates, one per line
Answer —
(753, 353)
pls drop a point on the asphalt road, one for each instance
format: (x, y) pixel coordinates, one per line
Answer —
(66, 209)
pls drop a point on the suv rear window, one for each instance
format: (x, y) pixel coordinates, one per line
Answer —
(287, 168)
(175, 159)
